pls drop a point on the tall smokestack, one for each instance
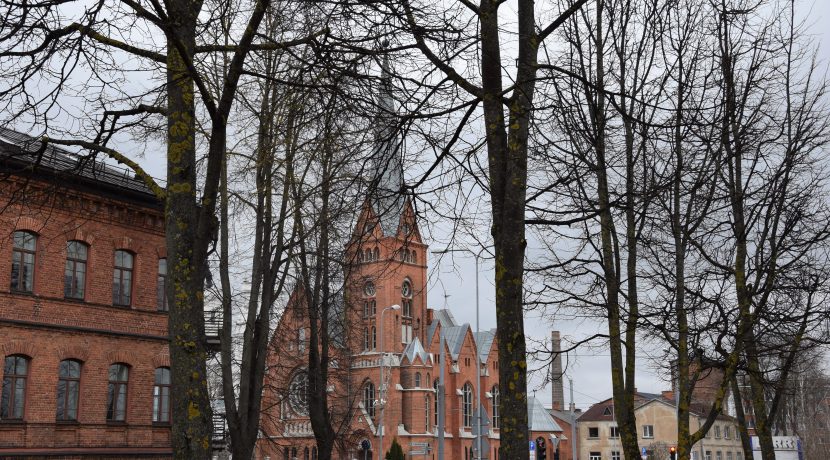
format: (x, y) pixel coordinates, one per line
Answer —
(557, 387)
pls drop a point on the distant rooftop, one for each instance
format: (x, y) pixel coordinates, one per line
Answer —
(20, 154)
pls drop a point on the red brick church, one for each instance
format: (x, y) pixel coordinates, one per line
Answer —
(388, 330)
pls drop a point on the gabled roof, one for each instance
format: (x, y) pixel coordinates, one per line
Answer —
(484, 342)
(413, 351)
(538, 418)
(454, 334)
(443, 317)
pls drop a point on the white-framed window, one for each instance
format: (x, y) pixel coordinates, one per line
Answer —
(615, 432)
(717, 431)
(727, 432)
(615, 455)
(593, 432)
(729, 456)
(495, 410)
(708, 455)
(595, 456)
(694, 455)
(467, 405)
(648, 431)
(719, 455)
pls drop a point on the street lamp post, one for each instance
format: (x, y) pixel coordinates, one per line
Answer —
(381, 385)
(477, 256)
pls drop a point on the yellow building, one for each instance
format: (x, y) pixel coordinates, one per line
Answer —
(657, 431)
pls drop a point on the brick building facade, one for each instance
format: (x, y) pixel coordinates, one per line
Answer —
(83, 329)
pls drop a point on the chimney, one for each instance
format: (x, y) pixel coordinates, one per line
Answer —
(557, 387)
(668, 394)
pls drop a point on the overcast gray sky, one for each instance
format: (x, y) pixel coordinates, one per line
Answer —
(588, 368)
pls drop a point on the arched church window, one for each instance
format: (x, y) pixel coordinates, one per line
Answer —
(298, 393)
(417, 380)
(374, 338)
(467, 405)
(365, 338)
(376, 254)
(406, 298)
(369, 398)
(369, 289)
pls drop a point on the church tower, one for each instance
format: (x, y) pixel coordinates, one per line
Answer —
(387, 254)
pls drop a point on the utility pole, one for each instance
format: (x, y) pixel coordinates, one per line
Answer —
(440, 396)
(382, 385)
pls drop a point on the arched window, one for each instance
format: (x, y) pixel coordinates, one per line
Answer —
(365, 338)
(23, 261)
(161, 396)
(376, 255)
(365, 308)
(161, 286)
(406, 298)
(119, 375)
(74, 274)
(293, 453)
(69, 382)
(368, 256)
(369, 398)
(298, 393)
(286, 454)
(374, 338)
(313, 453)
(15, 376)
(369, 293)
(495, 392)
(417, 380)
(301, 339)
(435, 411)
(467, 405)
(414, 258)
(306, 454)
(122, 278)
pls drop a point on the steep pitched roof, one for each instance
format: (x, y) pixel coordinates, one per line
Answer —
(538, 418)
(484, 342)
(454, 336)
(20, 152)
(443, 317)
(386, 189)
(413, 351)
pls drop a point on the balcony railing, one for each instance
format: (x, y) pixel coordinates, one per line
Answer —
(213, 328)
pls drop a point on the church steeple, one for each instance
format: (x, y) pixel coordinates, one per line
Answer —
(386, 180)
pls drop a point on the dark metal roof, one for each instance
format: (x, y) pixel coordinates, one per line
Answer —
(21, 154)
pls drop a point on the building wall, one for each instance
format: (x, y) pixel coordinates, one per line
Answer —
(46, 328)
(663, 420)
(405, 412)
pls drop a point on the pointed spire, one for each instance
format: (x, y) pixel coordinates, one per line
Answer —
(387, 165)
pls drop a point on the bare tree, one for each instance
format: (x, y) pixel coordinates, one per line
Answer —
(36, 38)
